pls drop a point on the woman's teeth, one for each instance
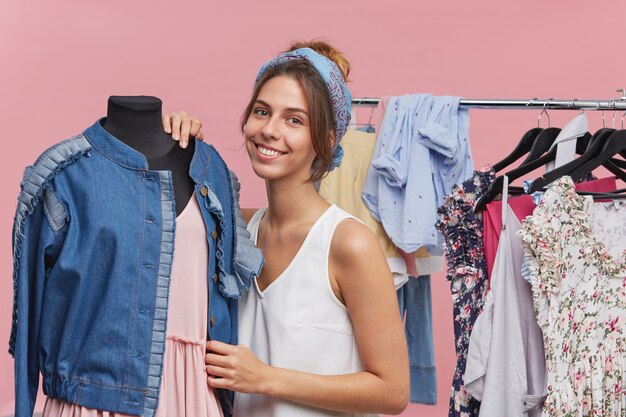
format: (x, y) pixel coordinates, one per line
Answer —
(268, 152)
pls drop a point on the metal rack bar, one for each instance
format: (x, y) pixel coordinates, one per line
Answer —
(556, 104)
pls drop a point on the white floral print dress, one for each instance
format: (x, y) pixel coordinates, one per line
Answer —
(575, 249)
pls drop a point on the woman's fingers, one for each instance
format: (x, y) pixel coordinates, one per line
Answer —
(216, 360)
(185, 127)
(182, 126)
(167, 123)
(196, 125)
(218, 383)
(218, 371)
(190, 128)
(220, 348)
(176, 122)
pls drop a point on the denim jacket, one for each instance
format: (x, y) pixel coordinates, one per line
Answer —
(93, 242)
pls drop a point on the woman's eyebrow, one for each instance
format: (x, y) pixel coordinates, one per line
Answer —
(297, 110)
(290, 109)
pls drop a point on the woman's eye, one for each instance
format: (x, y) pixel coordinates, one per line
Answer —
(295, 120)
(261, 112)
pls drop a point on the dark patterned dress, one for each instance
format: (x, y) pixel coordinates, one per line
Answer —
(467, 272)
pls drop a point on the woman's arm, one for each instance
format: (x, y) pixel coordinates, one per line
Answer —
(359, 270)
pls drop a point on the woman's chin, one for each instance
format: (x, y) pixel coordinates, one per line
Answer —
(267, 173)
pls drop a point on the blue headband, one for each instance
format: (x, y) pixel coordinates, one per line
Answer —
(337, 88)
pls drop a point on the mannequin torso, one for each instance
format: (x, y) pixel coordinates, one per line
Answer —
(136, 121)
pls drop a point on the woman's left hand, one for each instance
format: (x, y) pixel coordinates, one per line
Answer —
(181, 126)
(236, 368)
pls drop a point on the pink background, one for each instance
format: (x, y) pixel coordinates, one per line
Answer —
(59, 61)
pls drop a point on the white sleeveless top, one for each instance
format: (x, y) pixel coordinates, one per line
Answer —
(298, 323)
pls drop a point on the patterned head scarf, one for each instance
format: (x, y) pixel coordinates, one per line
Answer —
(337, 88)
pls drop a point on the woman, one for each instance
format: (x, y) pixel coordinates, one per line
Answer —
(319, 330)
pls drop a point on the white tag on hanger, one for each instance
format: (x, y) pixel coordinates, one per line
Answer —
(565, 142)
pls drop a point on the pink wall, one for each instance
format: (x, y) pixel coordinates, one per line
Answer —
(59, 61)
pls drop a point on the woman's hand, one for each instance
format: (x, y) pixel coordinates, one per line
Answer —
(236, 368)
(181, 126)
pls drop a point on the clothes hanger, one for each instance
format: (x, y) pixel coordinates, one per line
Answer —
(568, 139)
(542, 144)
(525, 144)
(368, 127)
(609, 145)
(496, 187)
(618, 162)
(615, 144)
(592, 153)
(614, 195)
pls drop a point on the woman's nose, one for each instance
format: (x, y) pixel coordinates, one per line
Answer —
(271, 129)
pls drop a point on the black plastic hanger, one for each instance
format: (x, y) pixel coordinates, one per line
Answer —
(620, 163)
(542, 144)
(613, 195)
(601, 133)
(496, 187)
(615, 144)
(596, 144)
(523, 147)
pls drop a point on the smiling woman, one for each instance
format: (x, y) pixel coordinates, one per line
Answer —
(278, 133)
(317, 106)
(319, 330)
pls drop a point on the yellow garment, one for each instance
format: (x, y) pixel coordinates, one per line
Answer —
(343, 187)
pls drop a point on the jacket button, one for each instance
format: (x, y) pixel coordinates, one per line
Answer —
(213, 320)
(215, 278)
(214, 234)
(204, 191)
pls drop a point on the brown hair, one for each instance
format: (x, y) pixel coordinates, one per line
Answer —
(321, 117)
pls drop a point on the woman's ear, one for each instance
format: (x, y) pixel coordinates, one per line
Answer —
(332, 139)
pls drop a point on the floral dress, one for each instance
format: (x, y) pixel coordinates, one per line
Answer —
(467, 272)
(575, 249)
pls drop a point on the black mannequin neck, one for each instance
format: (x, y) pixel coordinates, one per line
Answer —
(136, 121)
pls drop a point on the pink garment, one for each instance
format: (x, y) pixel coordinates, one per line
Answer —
(184, 389)
(524, 206)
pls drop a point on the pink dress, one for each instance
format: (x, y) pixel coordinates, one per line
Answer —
(184, 389)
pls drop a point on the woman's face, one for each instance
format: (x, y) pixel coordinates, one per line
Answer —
(277, 132)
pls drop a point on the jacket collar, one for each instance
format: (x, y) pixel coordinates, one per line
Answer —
(124, 155)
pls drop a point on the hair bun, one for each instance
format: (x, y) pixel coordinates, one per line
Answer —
(330, 52)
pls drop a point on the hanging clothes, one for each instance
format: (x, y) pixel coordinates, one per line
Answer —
(415, 301)
(505, 365)
(421, 152)
(342, 187)
(576, 251)
(523, 206)
(462, 230)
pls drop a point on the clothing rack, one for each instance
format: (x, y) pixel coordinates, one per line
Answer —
(533, 103)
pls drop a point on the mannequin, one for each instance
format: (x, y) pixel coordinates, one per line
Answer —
(100, 254)
(136, 121)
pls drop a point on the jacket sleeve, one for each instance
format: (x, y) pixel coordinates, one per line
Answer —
(247, 258)
(39, 225)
